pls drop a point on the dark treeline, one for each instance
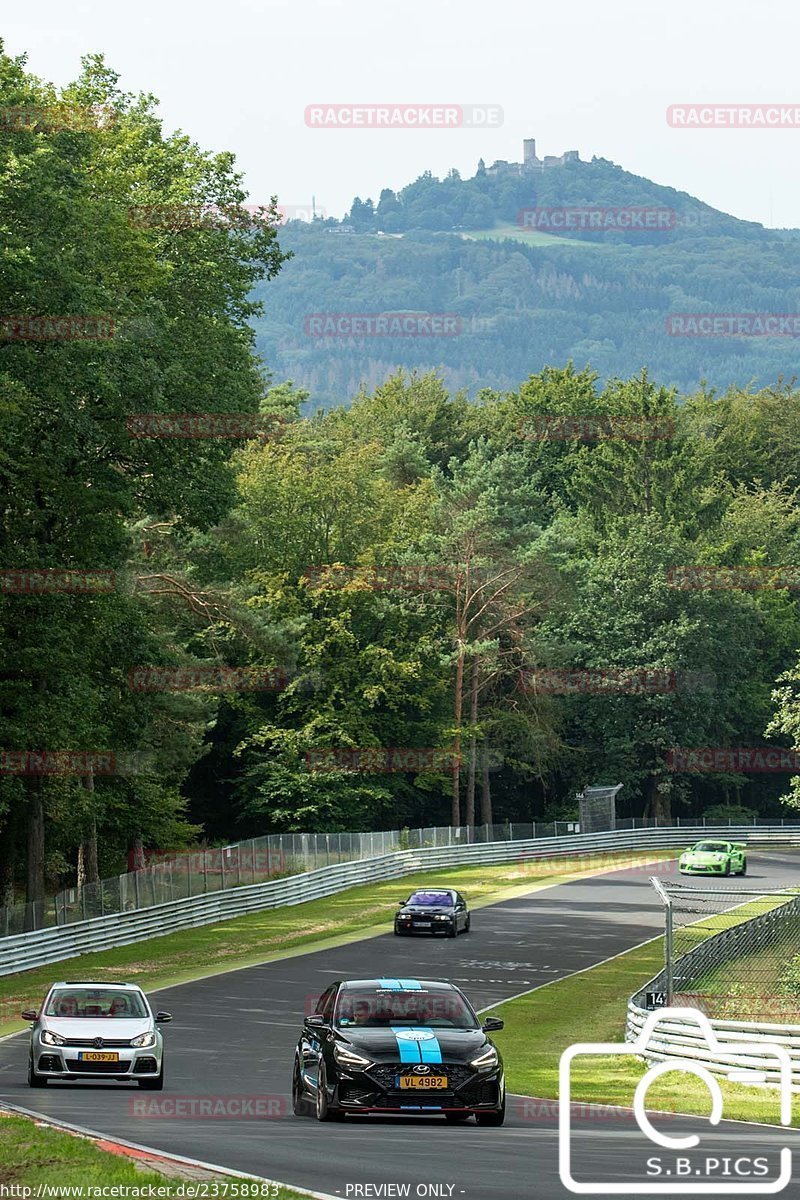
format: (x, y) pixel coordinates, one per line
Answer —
(409, 573)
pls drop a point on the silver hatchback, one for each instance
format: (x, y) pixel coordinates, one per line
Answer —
(96, 1031)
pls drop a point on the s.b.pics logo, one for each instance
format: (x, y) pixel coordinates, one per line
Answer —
(684, 1161)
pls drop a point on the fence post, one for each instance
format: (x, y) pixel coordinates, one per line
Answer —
(205, 872)
(136, 888)
(222, 868)
(666, 900)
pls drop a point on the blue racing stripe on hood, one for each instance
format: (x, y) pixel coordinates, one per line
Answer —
(410, 985)
(391, 985)
(418, 1044)
(430, 1050)
(408, 1046)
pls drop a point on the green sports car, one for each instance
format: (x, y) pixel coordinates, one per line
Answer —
(714, 858)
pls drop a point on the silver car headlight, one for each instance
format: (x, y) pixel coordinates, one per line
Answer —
(144, 1039)
(487, 1059)
(52, 1039)
(347, 1057)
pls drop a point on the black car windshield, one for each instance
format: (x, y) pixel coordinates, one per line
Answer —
(96, 1003)
(437, 899)
(712, 847)
(386, 1009)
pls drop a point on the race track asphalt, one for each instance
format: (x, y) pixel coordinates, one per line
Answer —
(233, 1035)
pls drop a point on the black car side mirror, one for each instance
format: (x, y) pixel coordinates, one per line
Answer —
(29, 1014)
(316, 1021)
(402, 903)
(161, 1017)
(492, 1023)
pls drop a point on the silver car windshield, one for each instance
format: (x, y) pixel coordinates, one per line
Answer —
(96, 1003)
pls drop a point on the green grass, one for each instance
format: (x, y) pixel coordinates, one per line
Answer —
(259, 937)
(530, 237)
(592, 1007)
(32, 1154)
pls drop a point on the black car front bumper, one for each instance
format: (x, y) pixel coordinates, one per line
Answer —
(424, 925)
(378, 1089)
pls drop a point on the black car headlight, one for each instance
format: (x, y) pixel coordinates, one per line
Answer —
(442, 917)
(488, 1058)
(52, 1039)
(349, 1058)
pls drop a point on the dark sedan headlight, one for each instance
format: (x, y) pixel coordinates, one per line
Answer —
(489, 1058)
(443, 917)
(144, 1039)
(52, 1039)
(349, 1058)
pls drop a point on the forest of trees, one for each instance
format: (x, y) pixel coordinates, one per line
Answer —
(401, 573)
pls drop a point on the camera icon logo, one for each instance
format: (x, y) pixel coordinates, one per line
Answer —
(770, 1057)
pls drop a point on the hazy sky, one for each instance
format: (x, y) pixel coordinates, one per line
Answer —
(594, 77)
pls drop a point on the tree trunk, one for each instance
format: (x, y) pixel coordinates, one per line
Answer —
(35, 883)
(136, 860)
(8, 857)
(660, 803)
(473, 720)
(486, 793)
(455, 815)
(90, 842)
(80, 870)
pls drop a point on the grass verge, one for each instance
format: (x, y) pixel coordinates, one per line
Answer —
(32, 1154)
(276, 933)
(592, 1006)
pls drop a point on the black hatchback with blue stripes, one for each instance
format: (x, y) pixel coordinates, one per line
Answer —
(406, 1046)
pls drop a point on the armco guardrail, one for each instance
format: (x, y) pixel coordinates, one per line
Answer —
(27, 950)
(675, 1037)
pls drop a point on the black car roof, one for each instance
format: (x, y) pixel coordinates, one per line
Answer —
(395, 984)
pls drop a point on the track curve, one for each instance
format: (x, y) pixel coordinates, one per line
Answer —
(234, 1034)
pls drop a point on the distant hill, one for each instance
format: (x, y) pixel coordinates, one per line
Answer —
(540, 264)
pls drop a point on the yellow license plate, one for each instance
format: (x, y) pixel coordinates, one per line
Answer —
(426, 1082)
(96, 1056)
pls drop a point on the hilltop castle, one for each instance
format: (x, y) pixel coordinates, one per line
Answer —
(529, 161)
